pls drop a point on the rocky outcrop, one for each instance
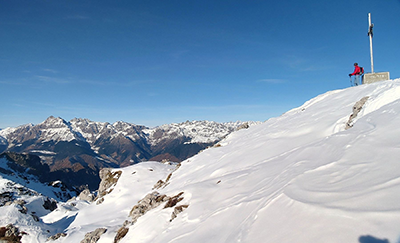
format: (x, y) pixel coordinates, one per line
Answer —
(149, 202)
(120, 234)
(172, 201)
(94, 236)
(356, 109)
(243, 126)
(10, 234)
(153, 200)
(50, 204)
(56, 236)
(161, 184)
(87, 195)
(108, 180)
(178, 210)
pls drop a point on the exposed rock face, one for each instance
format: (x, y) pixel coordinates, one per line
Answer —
(178, 210)
(120, 234)
(153, 200)
(108, 180)
(87, 195)
(10, 233)
(50, 204)
(56, 236)
(243, 126)
(149, 202)
(356, 109)
(172, 201)
(161, 184)
(94, 236)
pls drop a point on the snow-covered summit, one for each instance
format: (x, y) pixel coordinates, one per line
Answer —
(195, 131)
(106, 139)
(300, 177)
(52, 129)
(56, 129)
(323, 172)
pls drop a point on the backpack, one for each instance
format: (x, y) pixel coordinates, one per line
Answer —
(361, 71)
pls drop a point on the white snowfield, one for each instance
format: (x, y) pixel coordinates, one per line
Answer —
(301, 177)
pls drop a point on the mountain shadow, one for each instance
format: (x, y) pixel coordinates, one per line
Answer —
(79, 176)
(371, 239)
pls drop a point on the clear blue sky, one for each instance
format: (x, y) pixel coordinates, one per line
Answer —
(158, 62)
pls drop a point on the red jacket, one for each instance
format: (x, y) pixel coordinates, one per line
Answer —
(357, 71)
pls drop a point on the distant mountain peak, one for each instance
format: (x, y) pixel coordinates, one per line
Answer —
(87, 146)
(56, 129)
(55, 122)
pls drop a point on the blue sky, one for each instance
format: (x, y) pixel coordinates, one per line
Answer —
(166, 61)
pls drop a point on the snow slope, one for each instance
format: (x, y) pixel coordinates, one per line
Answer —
(23, 201)
(300, 177)
(132, 186)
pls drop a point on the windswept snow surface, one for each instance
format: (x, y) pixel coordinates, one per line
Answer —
(300, 177)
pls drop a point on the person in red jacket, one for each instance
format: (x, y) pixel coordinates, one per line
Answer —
(356, 74)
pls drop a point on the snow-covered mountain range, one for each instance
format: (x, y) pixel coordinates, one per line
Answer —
(323, 172)
(80, 148)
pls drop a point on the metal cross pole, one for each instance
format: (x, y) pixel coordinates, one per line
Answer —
(370, 34)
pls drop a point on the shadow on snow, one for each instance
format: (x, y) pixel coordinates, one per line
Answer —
(371, 239)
